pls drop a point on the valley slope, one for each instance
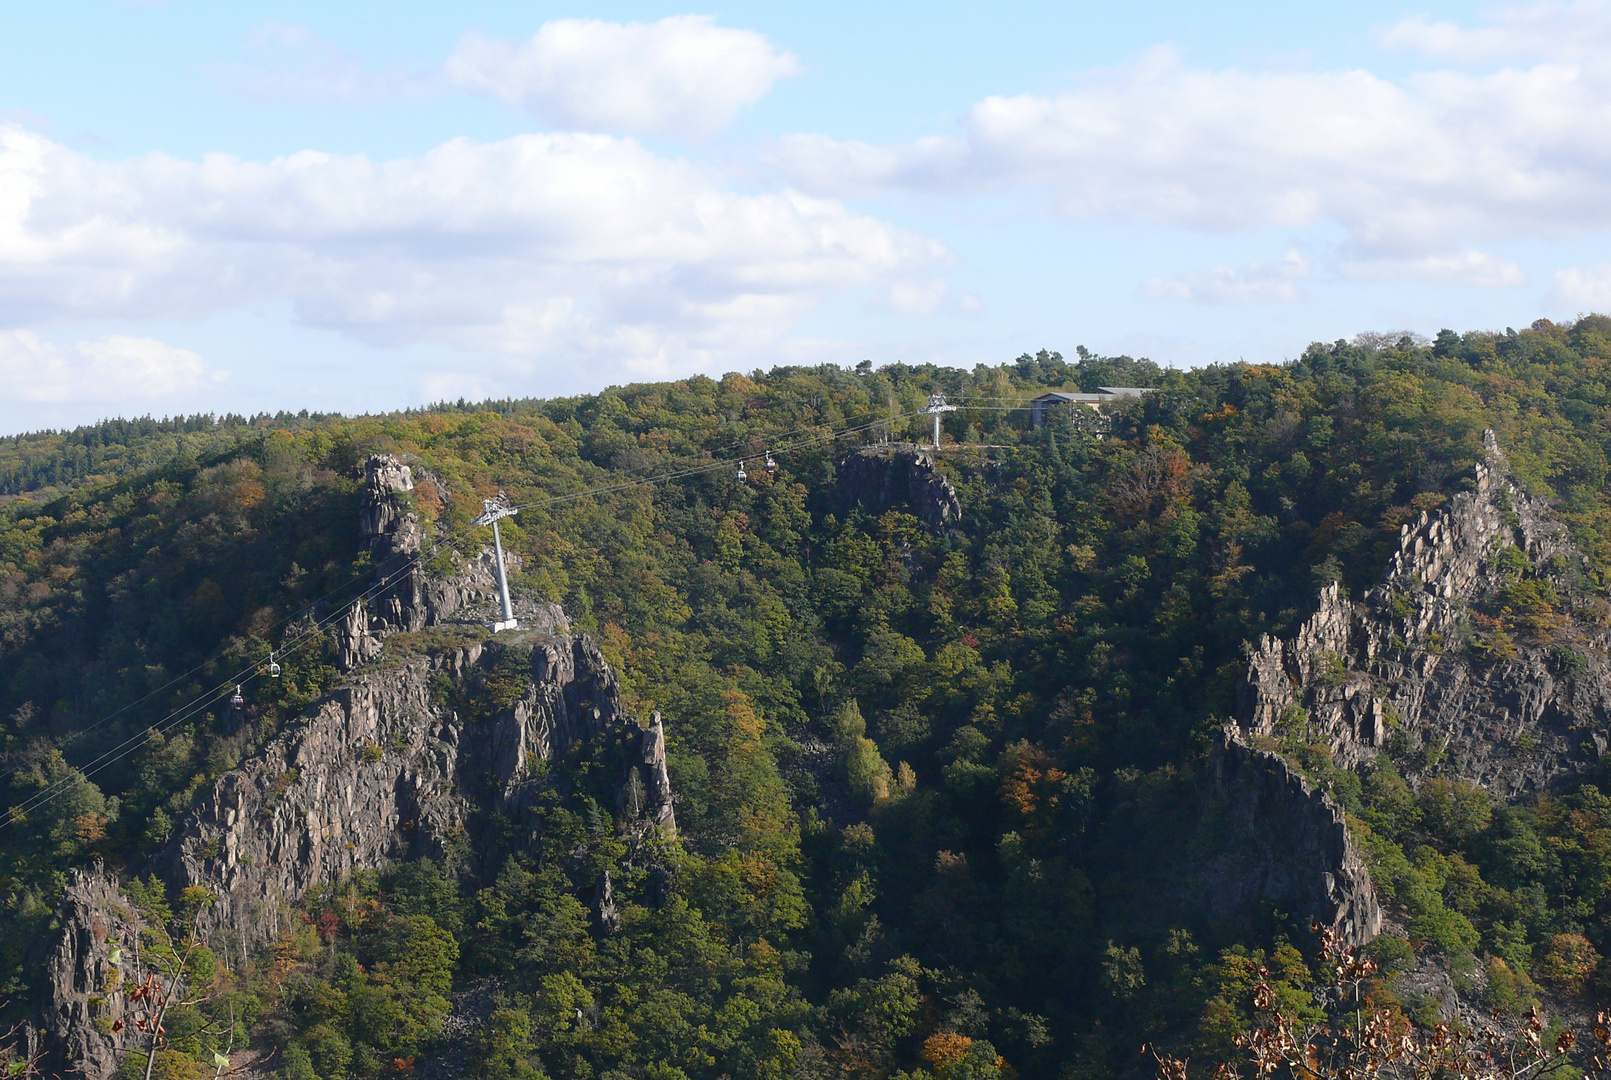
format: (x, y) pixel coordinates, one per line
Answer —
(1010, 756)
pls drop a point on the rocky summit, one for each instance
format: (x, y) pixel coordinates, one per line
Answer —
(382, 769)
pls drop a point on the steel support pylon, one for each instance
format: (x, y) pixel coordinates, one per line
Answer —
(493, 511)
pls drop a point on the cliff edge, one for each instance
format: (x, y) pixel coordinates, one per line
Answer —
(394, 765)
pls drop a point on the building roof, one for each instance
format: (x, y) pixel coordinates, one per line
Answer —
(1104, 393)
(1058, 395)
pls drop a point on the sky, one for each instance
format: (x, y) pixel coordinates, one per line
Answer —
(360, 207)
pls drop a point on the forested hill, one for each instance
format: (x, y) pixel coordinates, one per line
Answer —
(934, 784)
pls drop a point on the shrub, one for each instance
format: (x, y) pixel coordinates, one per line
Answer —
(1391, 954)
(1333, 670)
(1507, 990)
(1568, 963)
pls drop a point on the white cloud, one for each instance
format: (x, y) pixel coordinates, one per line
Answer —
(928, 297)
(1549, 30)
(1406, 169)
(587, 247)
(853, 167)
(1466, 267)
(114, 369)
(1254, 283)
(682, 75)
(1582, 288)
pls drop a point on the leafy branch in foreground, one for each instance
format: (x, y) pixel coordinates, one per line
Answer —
(1361, 1042)
(182, 977)
(21, 1051)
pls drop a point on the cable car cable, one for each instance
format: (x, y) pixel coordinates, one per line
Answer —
(179, 715)
(215, 657)
(48, 794)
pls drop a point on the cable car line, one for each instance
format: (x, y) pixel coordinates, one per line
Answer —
(48, 794)
(191, 708)
(184, 712)
(215, 657)
(707, 467)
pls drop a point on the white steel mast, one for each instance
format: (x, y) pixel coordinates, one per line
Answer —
(937, 406)
(493, 511)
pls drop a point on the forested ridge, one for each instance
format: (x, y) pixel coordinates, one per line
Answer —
(933, 784)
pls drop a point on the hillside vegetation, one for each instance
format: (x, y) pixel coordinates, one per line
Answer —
(932, 785)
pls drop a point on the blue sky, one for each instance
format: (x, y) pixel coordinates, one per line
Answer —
(367, 206)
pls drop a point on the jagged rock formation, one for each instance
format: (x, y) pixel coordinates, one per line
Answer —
(1424, 668)
(394, 765)
(1270, 837)
(98, 925)
(878, 478)
(389, 526)
(1419, 660)
(408, 598)
(384, 769)
(650, 771)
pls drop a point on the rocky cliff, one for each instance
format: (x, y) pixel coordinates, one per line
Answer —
(1269, 837)
(1480, 655)
(406, 597)
(877, 478)
(396, 764)
(385, 769)
(87, 1017)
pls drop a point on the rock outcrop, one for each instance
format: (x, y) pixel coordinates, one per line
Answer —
(388, 523)
(397, 764)
(405, 596)
(649, 773)
(1435, 667)
(877, 478)
(86, 975)
(386, 769)
(1436, 658)
(1269, 837)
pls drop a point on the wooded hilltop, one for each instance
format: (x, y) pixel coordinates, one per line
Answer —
(974, 769)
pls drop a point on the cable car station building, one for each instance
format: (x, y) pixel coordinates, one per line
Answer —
(1104, 395)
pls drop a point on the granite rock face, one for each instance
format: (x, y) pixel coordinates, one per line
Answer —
(650, 769)
(1413, 660)
(86, 972)
(1434, 668)
(877, 478)
(385, 769)
(397, 764)
(1277, 839)
(389, 524)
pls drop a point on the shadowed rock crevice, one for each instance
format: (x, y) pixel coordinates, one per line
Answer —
(877, 479)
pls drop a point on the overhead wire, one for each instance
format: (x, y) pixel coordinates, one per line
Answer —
(191, 708)
(710, 466)
(301, 610)
(19, 812)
